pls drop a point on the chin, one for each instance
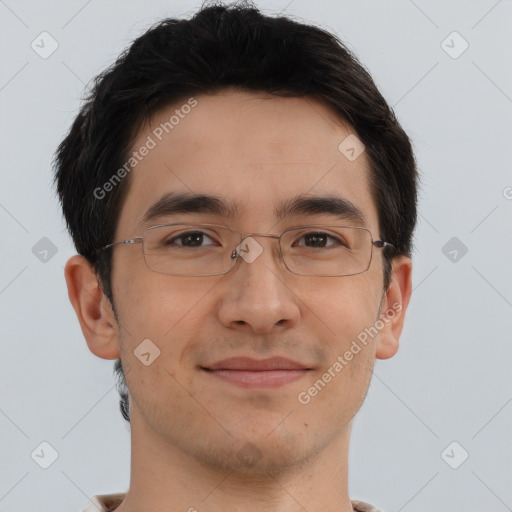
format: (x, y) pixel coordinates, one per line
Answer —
(264, 453)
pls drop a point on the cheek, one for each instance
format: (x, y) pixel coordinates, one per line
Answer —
(157, 302)
(170, 311)
(340, 385)
(344, 315)
(343, 306)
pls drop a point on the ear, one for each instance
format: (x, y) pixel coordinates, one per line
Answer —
(92, 308)
(393, 307)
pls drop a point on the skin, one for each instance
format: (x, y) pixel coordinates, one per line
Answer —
(188, 427)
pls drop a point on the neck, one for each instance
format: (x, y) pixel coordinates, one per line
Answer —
(164, 475)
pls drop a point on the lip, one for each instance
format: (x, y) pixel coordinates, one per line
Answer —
(249, 364)
(257, 379)
(253, 373)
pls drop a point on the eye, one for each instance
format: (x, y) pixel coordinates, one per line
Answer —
(320, 239)
(188, 239)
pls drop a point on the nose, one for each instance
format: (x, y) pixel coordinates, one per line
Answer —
(257, 296)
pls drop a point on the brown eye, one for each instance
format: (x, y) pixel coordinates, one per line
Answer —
(188, 239)
(321, 240)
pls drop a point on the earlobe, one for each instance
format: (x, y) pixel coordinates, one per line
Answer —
(394, 304)
(92, 308)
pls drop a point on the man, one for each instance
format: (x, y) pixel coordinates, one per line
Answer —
(243, 201)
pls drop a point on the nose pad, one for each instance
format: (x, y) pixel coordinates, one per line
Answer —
(249, 249)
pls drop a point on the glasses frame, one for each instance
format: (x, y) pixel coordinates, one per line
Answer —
(380, 244)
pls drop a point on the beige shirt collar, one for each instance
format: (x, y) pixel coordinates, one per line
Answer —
(109, 502)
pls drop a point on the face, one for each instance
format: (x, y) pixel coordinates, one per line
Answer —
(255, 151)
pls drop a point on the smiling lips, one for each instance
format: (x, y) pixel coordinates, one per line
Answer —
(252, 373)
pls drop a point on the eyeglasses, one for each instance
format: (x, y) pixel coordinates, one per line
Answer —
(191, 249)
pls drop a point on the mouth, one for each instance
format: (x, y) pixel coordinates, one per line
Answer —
(251, 373)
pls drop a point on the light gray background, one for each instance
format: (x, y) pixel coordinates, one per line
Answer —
(451, 379)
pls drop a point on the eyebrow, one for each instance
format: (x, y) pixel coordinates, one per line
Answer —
(187, 203)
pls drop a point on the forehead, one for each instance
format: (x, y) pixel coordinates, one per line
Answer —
(256, 150)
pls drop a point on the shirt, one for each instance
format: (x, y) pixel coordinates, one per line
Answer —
(109, 502)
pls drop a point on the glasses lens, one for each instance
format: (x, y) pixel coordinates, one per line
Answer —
(327, 250)
(190, 249)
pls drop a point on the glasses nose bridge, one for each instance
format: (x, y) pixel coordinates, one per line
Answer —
(267, 235)
(270, 235)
